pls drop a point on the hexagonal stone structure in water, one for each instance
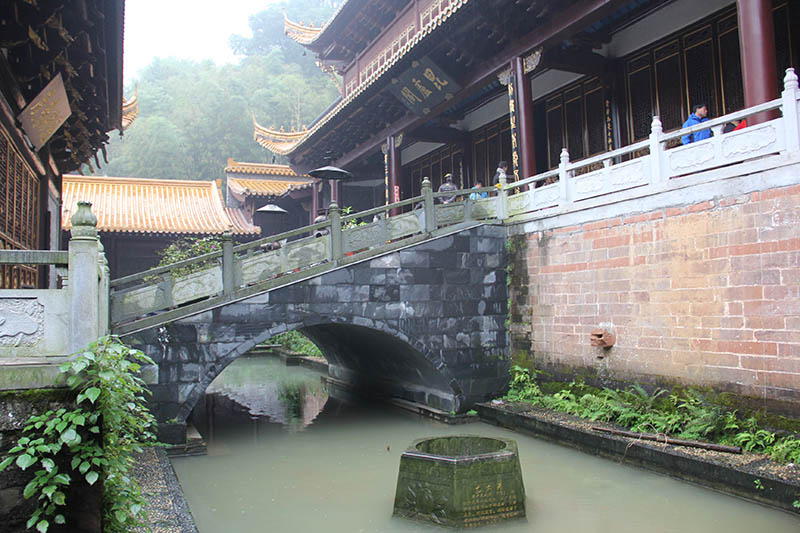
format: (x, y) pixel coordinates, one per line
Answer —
(461, 481)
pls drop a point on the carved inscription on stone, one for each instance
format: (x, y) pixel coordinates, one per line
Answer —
(21, 322)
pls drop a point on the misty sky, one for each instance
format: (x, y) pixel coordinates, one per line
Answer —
(183, 29)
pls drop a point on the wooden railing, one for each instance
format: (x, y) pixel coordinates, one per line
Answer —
(181, 289)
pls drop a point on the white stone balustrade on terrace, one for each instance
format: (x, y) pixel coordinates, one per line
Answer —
(164, 294)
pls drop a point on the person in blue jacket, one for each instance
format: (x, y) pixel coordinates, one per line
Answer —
(699, 114)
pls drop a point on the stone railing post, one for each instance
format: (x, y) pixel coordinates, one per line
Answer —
(104, 291)
(336, 231)
(428, 205)
(790, 109)
(227, 262)
(502, 199)
(84, 286)
(656, 152)
(563, 175)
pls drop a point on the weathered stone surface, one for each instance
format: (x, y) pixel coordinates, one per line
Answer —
(417, 324)
(461, 481)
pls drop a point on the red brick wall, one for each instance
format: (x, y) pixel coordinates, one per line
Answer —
(706, 295)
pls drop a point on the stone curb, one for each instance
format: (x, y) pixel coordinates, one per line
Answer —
(776, 492)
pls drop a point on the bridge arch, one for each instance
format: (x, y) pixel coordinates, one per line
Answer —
(425, 323)
(376, 360)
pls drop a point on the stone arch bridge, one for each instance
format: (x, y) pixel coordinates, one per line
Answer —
(426, 323)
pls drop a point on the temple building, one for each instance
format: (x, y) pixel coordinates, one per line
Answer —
(60, 95)
(272, 197)
(136, 217)
(430, 87)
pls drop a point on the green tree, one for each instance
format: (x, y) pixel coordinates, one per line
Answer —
(194, 115)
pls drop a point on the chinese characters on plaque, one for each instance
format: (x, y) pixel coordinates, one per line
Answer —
(46, 113)
(424, 86)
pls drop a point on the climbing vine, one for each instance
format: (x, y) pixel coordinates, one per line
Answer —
(95, 440)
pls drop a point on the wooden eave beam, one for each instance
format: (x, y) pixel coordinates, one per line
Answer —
(560, 27)
(439, 134)
(578, 61)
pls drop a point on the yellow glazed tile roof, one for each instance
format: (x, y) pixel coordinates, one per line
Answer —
(137, 205)
(265, 187)
(238, 167)
(284, 143)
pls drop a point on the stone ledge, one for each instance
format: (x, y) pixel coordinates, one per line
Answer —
(30, 373)
(665, 459)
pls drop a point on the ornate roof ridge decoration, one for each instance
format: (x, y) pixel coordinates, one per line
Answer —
(153, 206)
(272, 169)
(130, 109)
(280, 143)
(299, 32)
(304, 32)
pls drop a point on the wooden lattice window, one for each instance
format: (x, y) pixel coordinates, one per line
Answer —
(19, 213)
(576, 120)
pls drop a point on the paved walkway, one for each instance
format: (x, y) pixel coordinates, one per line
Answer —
(166, 507)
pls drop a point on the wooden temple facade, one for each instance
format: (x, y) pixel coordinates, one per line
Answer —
(431, 87)
(77, 43)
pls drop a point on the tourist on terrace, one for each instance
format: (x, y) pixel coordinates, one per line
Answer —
(734, 125)
(502, 167)
(477, 195)
(699, 115)
(448, 186)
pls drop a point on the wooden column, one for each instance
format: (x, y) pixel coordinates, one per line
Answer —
(757, 48)
(395, 172)
(524, 109)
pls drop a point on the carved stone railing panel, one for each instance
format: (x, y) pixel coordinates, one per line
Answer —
(21, 322)
(262, 267)
(197, 285)
(611, 179)
(362, 237)
(306, 252)
(484, 208)
(451, 213)
(137, 302)
(33, 322)
(520, 203)
(405, 225)
(547, 196)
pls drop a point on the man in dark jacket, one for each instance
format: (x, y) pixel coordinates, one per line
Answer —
(699, 115)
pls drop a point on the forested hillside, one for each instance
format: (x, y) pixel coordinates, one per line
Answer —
(193, 116)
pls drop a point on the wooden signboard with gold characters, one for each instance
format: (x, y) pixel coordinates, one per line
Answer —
(424, 86)
(46, 113)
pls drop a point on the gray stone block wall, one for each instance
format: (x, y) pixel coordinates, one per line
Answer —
(427, 323)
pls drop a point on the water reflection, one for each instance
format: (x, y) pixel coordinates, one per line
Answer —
(262, 394)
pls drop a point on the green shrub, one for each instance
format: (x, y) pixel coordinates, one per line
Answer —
(687, 415)
(97, 438)
(188, 248)
(296, 342)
